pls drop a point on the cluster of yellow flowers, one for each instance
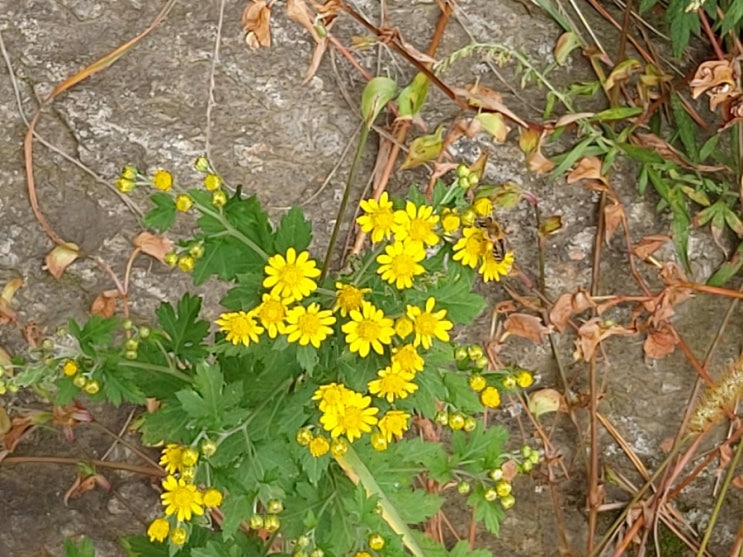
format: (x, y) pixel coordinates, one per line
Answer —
(182, 499)
(413, 229)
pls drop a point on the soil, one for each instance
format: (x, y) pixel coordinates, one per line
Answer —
(281, 139)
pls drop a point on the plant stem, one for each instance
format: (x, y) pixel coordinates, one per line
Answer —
(346, 194)
(160, 369)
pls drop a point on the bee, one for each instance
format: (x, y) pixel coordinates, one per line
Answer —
(495, 235)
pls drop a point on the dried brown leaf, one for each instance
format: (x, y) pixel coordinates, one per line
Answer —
(485, 98)
(649, 245)
(105, 303)
(588, 168)
(660, 342)
(544, 401)
(526, 326)
(613, 217)
(60, 258)
(5, 423)
(153, 245)
(256, 20)
(738, 481)
(712, 73)
(568, 305)
(665, 150)
(591, 334)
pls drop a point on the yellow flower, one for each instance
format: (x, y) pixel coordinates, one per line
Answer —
(353, 418)
(490, 397)
(212, 182)
(271, 314)
(308, 325)
(400, 262)
(190, 456)
(392, 383)
(407, 358)
(330, 396)
(450, 221)
(492, 269)
(183, 202)
(158, 530)
(172, 458)
(403, 327)
(69, 368)
(470, 246)
(348, 297)
(212, 498)
(290, 277)
(483, 206)
(416, 224)
(524, 379)
(186, 263)
(393, 424)
(379, 218)
(240, 327)
(368, 328)
(319, 446)
(179, 536)
(181, 499)
(162, 180)
(428, 324)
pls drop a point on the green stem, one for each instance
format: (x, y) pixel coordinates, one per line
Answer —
(159, 369)
(346, 194)
(720, 499)
(357, 472)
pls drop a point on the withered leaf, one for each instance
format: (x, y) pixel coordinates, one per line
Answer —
(105, 303)
(526, 326)
(649, 245)
(567, 305)
(545, 401)
(660, 342)
(709, 74)
(591, 334)
(256, 21)
(613, 217)
(153, 245)
(588, 168)
(483, 97)
(60, 258)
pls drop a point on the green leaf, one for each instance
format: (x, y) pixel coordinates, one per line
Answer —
(246, 295)
(687, 129)
(462, 549)
(141, 546)
(683, 24)
(489, 513)
(729, 269)
(377, 93)
(185, 331)
(454, 292)
(83, 549)
(294, 231)
(681, 221)
(162, 215)
(709, 147)
(411, 98)
(236, 508)
(619, 113)
(95, 334)
(307, 357)
(732, 18)
(640, 154)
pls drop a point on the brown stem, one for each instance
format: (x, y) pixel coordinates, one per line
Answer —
(145, 471)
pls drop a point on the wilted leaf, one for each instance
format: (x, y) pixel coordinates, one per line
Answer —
(105, 303)
(153, 245)
(298, 11)
(588, 168)
(494, 124)
(544, 401)
(377, 93)
(567, 305)
(5, 358)
(568, 119)
(649, 245)
(528, 140)
(424, 148)
(613, 217)
(567, 42)
(507, 195)
(738, 481)
(4, 421)
(622, 72)
(81, 485)
(592, 333)
(713, 73)
(537, 161)
(256, 21)
(60, 258)
(660, 342)
(550, 225)
(10, 289)
(526, 326)
(483, 97)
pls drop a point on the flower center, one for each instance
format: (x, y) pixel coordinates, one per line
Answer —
(182, 498)
(352, 418)
(272, 312)
(402, 265)
(383, 219)
(419, 229)
(240, 326)
(368, 330)
(291, 274)
(426, 324)
(308, 324)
